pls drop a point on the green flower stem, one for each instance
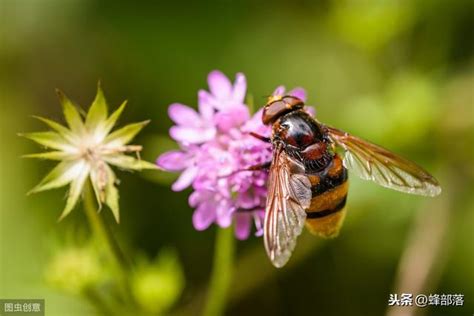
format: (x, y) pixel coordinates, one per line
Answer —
(222, 272)
(100, 228)
(104, 234)
(95, 298)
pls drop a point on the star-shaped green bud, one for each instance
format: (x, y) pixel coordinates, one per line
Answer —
(86, 149)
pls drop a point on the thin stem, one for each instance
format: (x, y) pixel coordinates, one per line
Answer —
(105, 235)
(100, 228)
(95, 298)
(222, 272)
(254, 262)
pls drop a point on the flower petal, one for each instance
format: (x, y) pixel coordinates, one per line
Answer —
(279, 91)
(219, 84)
(205, 97)
(242, 225)
(128, 162)
(183, 115)
(185, 179)
(247, 199)
(112, 194)
(62, 130)
(224, 213)
(172, 160)
(298, 92)
(240, 88)
(310, 110)
(75, 190)
(51, 155)
(98, 177)
(97, 112)
(203, 216)
(51, 140)
(196, 197)
(61, 175)
(258, 217)
(72, 115)
(231, 117)
(110, 122)
(206, 107)
(254, 124)
(192, 135)
(125, 134)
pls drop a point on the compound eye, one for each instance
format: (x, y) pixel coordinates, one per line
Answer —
(273, 110)
(293, 102)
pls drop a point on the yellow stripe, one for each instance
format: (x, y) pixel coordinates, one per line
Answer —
(328, 226)
(328, 199)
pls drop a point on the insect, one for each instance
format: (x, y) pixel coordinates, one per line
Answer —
(308, 178)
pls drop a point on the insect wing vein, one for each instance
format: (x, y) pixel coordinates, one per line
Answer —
(289, 195)
(372, 162)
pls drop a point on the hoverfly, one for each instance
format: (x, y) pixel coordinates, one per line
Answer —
(308, 179)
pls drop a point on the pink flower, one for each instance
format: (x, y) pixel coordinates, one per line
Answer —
(223, 94)
(192, 127)
(296, 92)
(216, 148)
(183, 161)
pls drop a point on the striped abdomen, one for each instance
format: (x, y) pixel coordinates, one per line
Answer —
(326, 213)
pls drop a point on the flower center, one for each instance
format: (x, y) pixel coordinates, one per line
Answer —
(89, 154)
(89, 151)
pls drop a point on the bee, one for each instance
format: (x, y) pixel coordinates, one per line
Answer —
(308, 179)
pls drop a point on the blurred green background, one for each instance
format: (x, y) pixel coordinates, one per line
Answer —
(399, 73)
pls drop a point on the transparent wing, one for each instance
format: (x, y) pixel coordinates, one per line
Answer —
(289, 194)
(372, 162)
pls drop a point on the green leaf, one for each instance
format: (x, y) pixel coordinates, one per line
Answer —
(61, 175)
(98, 111)
(112, 194)
(75, 191)
(49, 139)
(128, 162)
(71, 113)
(51, 155)
(125, 134)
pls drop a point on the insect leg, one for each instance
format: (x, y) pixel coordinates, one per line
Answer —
(257, 167)
(262, 138)
(261, 166)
